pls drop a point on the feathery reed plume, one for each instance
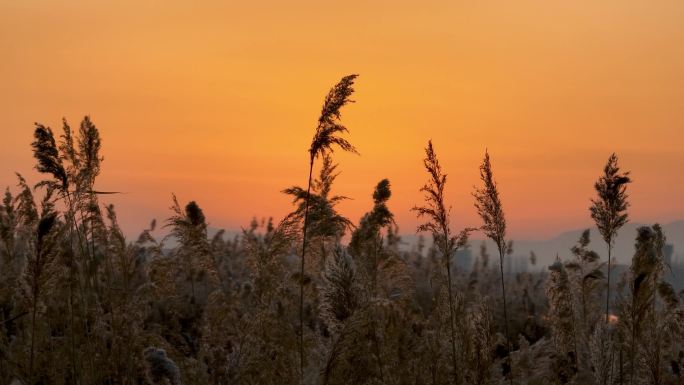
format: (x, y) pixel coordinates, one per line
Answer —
(481, 341)
(340, 300)
(489, 208)
(562, 317)
(189, 226)
(160, 367)
(324, 140)
(329, 125)
(39, 271)
(26, 207)
(654, 359)
(323, 220)
(47, 154)
(438, 223)
(340, 295)
(667, 337)
(585, 274)
(67, 146)
(89, 145)
(643, 285)
(588, 273)
(366, 241)
(609, 210)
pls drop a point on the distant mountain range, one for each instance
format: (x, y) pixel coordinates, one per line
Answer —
(547, 250)
(624, 245)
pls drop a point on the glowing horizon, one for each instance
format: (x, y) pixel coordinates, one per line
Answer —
(218, 102)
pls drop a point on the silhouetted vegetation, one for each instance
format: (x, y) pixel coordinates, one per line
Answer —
(290, 302)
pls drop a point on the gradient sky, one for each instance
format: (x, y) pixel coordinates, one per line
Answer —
(217, 100)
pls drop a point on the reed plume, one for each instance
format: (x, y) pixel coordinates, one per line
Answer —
(609, 209)
(40, 270)
(562, 318)
(586, 275)
(366, 241)
(645, 271)
(47, 154)
(325, 139)
(50, 162)
(488, 205)
(189, 226)
(438, 223)
(324, 222)
(161, 368)
(340, 296)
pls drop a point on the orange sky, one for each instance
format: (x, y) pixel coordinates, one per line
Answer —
(217, 100)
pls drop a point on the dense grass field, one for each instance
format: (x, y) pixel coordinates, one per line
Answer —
(314, 298)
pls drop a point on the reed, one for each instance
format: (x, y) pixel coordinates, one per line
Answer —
(325, 139)
(609, 209)
(488, 205)
(437, 214)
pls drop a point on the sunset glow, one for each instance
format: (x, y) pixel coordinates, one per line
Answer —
(217, 101)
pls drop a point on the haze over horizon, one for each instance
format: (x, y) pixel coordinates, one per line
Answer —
(217, 102)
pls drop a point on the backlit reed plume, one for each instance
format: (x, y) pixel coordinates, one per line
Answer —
(160, 368)
(637, 313)
(609, 209)
(489, 208)
(586, 276)
(366, 240)
(324, 222)
(189, 226)
(50, 162)
(340, 301)
(325, 139)
(437, 214)
(40, 266)
(73, 165)
(562, 319)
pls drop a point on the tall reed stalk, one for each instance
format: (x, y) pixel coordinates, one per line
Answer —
(326, 137)
(73, 166)
(489, 208)
(437, 213)
(49, 162)
(609, 212)
(609, 209)
(38, 272)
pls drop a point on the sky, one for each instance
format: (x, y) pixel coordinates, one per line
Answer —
(217, 101)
